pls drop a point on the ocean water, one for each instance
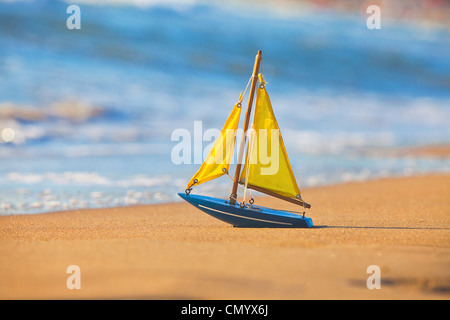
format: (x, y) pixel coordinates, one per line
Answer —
(87, 116)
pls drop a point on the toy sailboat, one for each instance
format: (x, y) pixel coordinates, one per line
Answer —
(256, 173)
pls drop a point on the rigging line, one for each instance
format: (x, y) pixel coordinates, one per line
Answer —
(245, 189)
(248, 83)
(261, 63)
(233, 180)
(249, 159)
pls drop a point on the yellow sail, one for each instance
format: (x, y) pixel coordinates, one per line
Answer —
(269, 169)
(219, 158)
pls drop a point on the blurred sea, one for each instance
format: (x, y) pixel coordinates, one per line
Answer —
(86, 116)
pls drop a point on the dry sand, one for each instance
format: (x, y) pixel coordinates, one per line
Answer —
(174, 251)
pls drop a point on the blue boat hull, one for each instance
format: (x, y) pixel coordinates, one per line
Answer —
(247, 217)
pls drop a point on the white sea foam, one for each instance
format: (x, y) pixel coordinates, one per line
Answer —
(36, 205)
(326, 143)
(52, 205)
(65, 178)
(96, 195)
(102, 150)
(6, 206)
(175, 4)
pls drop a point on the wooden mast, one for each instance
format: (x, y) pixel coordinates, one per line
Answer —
(233, 195)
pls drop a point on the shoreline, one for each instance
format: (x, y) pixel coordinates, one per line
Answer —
(438, 151)
(260, 196)
(431, 151)
(174, 251)
(427, 151)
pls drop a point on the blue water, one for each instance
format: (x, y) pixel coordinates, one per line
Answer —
(93, 110)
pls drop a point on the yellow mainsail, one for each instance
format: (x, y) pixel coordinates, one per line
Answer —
(219, 158)
(269, 169)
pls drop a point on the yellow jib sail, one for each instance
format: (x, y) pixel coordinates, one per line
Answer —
(219, 158)
(269, 167)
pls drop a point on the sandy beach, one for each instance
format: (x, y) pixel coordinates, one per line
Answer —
(174, 251)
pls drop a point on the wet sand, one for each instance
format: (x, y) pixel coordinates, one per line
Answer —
(174, 251)
(436, 151)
